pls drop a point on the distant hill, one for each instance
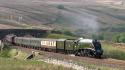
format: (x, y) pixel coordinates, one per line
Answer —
(83, 18)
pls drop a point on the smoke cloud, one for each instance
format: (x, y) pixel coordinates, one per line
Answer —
(82, 20)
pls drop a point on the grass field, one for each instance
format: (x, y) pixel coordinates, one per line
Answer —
(11, 59)
(8, 61)
(11, 64)
(112, 51)
(12, 53)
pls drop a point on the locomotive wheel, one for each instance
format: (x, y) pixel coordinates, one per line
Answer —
(68, 52)
(79, 53)
(84, 52)
(76, 53)
(98, 56)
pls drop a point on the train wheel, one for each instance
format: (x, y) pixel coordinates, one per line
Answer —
(98, 56)
(76, 53)
(82, 53)
(79, 53)
(85, 52)
(67, 52)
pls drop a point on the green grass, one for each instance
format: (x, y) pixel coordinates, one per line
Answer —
(5, 52)
(11, 64)
(12, 59)
(13, 53)
(113, 52)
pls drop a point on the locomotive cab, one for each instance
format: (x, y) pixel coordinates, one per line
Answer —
(97, 48)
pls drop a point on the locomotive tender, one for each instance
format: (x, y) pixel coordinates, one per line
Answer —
(80, 47)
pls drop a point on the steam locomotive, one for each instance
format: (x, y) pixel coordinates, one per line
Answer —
(78, 47)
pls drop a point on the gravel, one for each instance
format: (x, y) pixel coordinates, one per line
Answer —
(65, 64)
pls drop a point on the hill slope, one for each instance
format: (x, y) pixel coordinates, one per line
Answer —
(79, 17)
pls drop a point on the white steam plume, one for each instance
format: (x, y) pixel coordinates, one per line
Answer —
(82, 20)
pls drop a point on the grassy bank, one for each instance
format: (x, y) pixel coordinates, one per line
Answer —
(112, 51)
(12, 53)
(12, 59)
(15, 60)
(11, 64)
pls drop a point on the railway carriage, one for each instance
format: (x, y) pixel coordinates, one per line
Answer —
(36, 42)
(9, 38)
(60, 45)
(49, 43)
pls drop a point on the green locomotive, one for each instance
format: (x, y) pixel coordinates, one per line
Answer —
(78, 47)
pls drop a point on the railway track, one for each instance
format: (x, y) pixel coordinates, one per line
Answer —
(107, 62)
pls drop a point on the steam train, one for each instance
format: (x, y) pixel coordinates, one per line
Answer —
(78, 47)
